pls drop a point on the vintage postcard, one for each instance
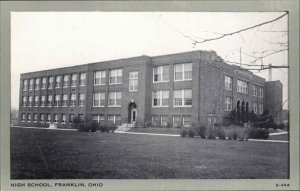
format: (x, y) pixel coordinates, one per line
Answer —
(149, 95)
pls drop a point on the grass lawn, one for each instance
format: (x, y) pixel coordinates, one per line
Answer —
(76, 155)
(283, 137)
(174, 131)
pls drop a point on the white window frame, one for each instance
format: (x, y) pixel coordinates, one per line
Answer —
(23, 117)
(173, 121)
(57, 101)
(42, 119)
(56, 118)
(31, 84)
(36, 101)
(74, 78)
(255, 107)
(119, 75)
(49, 100)
(44, 83)
(228, 103)
(24, 101)
(160, 71)
(184, 78)
(57, 81)
(184, 117)
(63, 118)
(133, 81)
(261, 108)
(65, 81)
(81, 102)
(100, 118)
(82, 79)
(261, 92)
(72, 100)
(50, 82)
(64, 102)
(71, 119)
(254, 90)
(158, 120)
(242, 87)
(43, 101)
(34, 118)
(28, 119)
(37, 84)
(183, 104)
(160, 98)
(114, 98)
(48, 120)
(101, 75)
(114, 118)
(25, 85)
(98, 95)
(162, 120)
(30, 101)
(228, 83)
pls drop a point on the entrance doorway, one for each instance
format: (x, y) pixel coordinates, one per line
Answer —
(132, 113)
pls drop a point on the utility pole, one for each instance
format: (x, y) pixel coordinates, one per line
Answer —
(270, 72)
(240, 56)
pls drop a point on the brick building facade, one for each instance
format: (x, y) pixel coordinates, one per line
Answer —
(178, 89)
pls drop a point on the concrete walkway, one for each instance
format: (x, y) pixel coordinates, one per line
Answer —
(279, 133)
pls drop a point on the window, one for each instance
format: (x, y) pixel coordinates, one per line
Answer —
(63, 118)
(114, 119)
(57, 101)
(37, 84)
(98, 118)
(133, 80)
(34, 117)
(48, 118)
(99, 78)
(73, 100)
(186, 119)
(42, 118)
(183, 98)
(49, 103)
(30, 101)
(57, 81)
(114, 98)
(242, 87)
(81, 99)
(155, 120)
(183, 71)
(24, 101)
(160, 98)
(228, 83)
(65, 100)
(25, 85)
(163, 120)
(66, 81)
(261, 108)
(56, 118)
(44, 82)
(31, 84)
(43, 100)
(177, 121)
(71, 118)
(50, 82)
(261, 92)
(23, 116)
(98, 99)
(255, 107)
(81, 117)
(28, 117)
(254, 90)
(36, 101)
(115, 76)
(74, 79)
(82, 79)
(228, 103)
(161, 74)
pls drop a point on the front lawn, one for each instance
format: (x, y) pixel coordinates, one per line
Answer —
(76, 155)
(157, 130)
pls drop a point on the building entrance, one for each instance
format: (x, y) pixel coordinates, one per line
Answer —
(132, 113)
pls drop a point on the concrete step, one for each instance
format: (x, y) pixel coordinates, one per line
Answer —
(124, 127)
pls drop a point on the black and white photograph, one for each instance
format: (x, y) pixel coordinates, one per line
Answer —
(157, 95)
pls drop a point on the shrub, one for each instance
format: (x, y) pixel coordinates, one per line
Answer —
(102, 128)
(191, 132)
(94, 126)
(231, 133)
(258, 133)
(221, 133)
(211, 133)
(201, 131)
(82, 127)
(183, 132)
(242, 133)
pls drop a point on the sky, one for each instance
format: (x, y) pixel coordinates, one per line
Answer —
(48, 40)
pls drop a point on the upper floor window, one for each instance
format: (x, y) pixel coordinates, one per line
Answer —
(73, 80)
(82, 79)
(49, 103)
(36, 101)
(57, 81)
(114, 98)
(242, 87)
(24, 85)
(98, 99)
(228, 103)
(30, 98)
(37, 84)
(65, 100)
(133, 80)
(31, 82)
(261, 92)
(115, 76)
(66, 81)
(81, 99)
(99, 78)
(161, 74)
(261, 108)
(183, 98)
(255, 107)
(160, 98)
(228, 83)
(183, 71)
(44, 82)
(57, 100)
(73, 100)
(254, 90)
(50, 82)
(43, 100)
(24, 101)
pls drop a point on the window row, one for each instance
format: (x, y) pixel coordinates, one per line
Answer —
(58, 82)
(47, 118)
(54, 100)
(111, 119)
(181, 98)
(181, 72)
(242, 87)
(257, 107)
(177, 120)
